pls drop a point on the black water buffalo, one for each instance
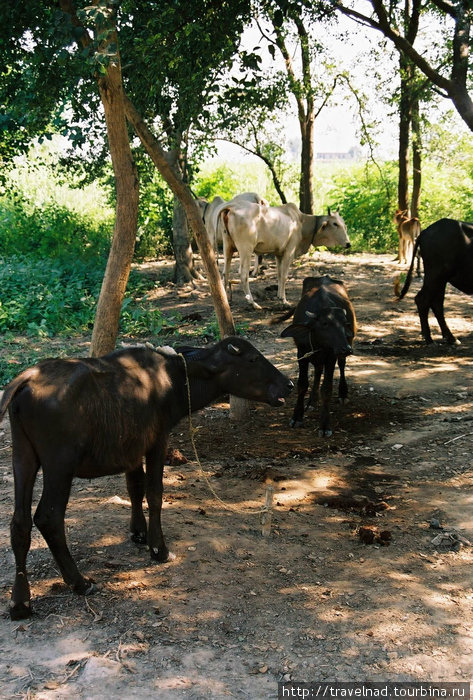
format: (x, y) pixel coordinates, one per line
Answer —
(446, 247)
(95, 417)
(323, 329)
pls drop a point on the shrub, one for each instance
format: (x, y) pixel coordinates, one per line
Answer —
(53, 297)
(367, 202)
(49, 230)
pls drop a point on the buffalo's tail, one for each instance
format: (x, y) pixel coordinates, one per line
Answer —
(407, 283)
(14, 387)
(284, 317)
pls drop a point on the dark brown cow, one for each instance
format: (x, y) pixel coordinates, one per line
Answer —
(323, 329)
(446, 247)
(94, 417)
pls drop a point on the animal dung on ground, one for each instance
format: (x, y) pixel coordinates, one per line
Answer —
(175, 457)
(371, 535)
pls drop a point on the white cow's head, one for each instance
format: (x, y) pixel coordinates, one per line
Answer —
(202, 204)
(332, 232)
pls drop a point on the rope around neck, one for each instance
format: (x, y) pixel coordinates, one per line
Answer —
(192, 433)
(266, 510)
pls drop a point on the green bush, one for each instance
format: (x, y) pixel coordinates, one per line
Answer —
(49, 230)
(366, 200)
(155, 214)
(53, 297)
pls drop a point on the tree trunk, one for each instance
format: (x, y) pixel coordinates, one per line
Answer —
(184, 270)
(416, 159)
(239, 408)
(302, 91)
(181, 245)
(404, 129)
(110, 86)
(173, 178)
(110, 301)
(306, 187)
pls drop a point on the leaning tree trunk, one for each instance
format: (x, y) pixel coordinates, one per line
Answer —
(239, 408)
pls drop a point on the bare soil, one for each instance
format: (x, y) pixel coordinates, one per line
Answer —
(317, 600)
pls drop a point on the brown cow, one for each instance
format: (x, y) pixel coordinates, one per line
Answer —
(408, 229)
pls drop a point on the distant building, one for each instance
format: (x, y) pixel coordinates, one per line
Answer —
(353, 154)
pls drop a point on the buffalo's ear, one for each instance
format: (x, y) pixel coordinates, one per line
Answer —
(293, 330)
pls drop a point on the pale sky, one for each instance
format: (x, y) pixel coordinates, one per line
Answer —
(337, 128)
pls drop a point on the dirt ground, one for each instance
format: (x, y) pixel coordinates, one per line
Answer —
(237, 612)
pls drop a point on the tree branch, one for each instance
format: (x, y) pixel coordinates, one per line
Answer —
(446, 6)
(402, 44)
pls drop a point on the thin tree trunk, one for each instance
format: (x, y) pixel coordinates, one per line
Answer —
(416, 158)
(306, 186)
(302, 91)
(239, 408)
(404, 129)
(183, 269)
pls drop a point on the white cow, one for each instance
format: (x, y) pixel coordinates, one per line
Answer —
(210, 212)
(284, 231)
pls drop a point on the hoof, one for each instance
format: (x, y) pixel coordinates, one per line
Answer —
(138, 537)
(85, 587)
(162, 556)
(325, 433)
(20, 611)
(296, 423)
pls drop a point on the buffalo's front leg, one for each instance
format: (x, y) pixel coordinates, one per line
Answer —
(325, 429)
(136, 482)
(154, 496)
(302, 386)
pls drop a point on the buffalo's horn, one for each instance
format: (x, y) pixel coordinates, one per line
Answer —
(233, 349)
(310, 314)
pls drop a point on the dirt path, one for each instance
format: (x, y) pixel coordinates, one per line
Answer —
(235, 613)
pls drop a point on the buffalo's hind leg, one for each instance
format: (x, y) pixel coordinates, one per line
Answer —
(342, 384)
(49, 519)
(302, 386)
(136, 484)
(325, 428)
(437, 307)
(25, 468)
